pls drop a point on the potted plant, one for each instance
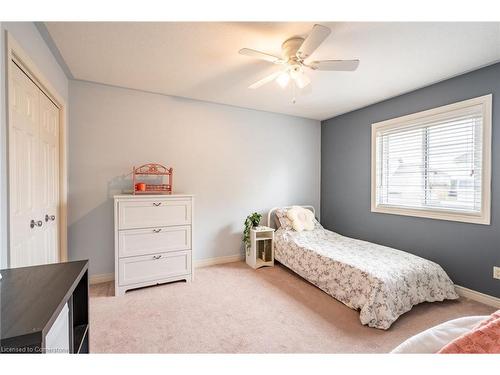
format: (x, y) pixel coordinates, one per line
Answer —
(251, 221)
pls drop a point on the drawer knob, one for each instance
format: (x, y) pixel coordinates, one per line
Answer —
(156, 204)
(156, 256)
(157, 230)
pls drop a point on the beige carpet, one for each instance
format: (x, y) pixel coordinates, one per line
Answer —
(233, 309)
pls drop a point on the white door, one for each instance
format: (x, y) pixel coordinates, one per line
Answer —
(33, 173)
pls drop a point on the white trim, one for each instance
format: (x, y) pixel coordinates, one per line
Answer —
(101, 278)
(218, 260)
(485, 215)
(478, 296)
(16, 53)
(106, 277)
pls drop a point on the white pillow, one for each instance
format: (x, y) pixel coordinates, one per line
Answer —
(301, 218)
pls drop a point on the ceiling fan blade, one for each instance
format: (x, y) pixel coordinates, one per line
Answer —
(260, 55)
(339, 65)
(265, 80)
(318, 34)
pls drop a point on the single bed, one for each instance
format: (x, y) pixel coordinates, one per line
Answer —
(381, 282)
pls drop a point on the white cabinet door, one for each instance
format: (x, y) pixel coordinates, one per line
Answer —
(33, 172)
(57, 339)
(48, 184)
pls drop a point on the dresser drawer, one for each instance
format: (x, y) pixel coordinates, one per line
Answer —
(135, 242)
(159, 212)
(135, 270)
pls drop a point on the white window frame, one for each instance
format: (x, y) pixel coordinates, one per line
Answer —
(484, 216)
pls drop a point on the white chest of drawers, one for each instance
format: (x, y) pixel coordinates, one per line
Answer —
(153, 240)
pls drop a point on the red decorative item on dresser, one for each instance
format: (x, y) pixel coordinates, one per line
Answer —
(152, 169)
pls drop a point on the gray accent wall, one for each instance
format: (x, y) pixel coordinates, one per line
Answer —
(466, 251)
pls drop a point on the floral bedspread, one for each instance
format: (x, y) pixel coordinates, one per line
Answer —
(381, 282)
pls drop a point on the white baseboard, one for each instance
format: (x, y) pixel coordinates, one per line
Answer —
(101, 278)
(218, 260)
(105, 277)
(478, 296)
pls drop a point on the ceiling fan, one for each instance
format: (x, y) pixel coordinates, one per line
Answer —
(295, 52)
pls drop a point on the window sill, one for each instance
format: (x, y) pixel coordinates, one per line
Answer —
(482, 218)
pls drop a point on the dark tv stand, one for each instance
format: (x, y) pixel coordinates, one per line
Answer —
(33, 299)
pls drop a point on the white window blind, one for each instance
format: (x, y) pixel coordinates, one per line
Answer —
(432, 162)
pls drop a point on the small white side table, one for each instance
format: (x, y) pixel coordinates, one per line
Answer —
(261, 251)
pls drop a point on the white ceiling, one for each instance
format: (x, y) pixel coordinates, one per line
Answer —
(201, 61)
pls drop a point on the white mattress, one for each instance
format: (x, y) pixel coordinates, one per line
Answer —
(381, 282)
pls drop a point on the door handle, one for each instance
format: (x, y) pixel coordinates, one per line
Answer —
(51, 218)
(156, 256)
(34, 223)
(157, 230)
(156, 204)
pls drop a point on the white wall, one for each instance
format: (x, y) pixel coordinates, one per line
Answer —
(234, 160)
(27, 35)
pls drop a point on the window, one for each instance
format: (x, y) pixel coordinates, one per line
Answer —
(435, 163)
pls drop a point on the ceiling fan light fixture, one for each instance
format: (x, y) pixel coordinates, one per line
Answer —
(295, 51)
(301, 80)
(283, 79)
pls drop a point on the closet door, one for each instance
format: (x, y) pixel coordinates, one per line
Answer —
(48, 183)
(33, 172)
